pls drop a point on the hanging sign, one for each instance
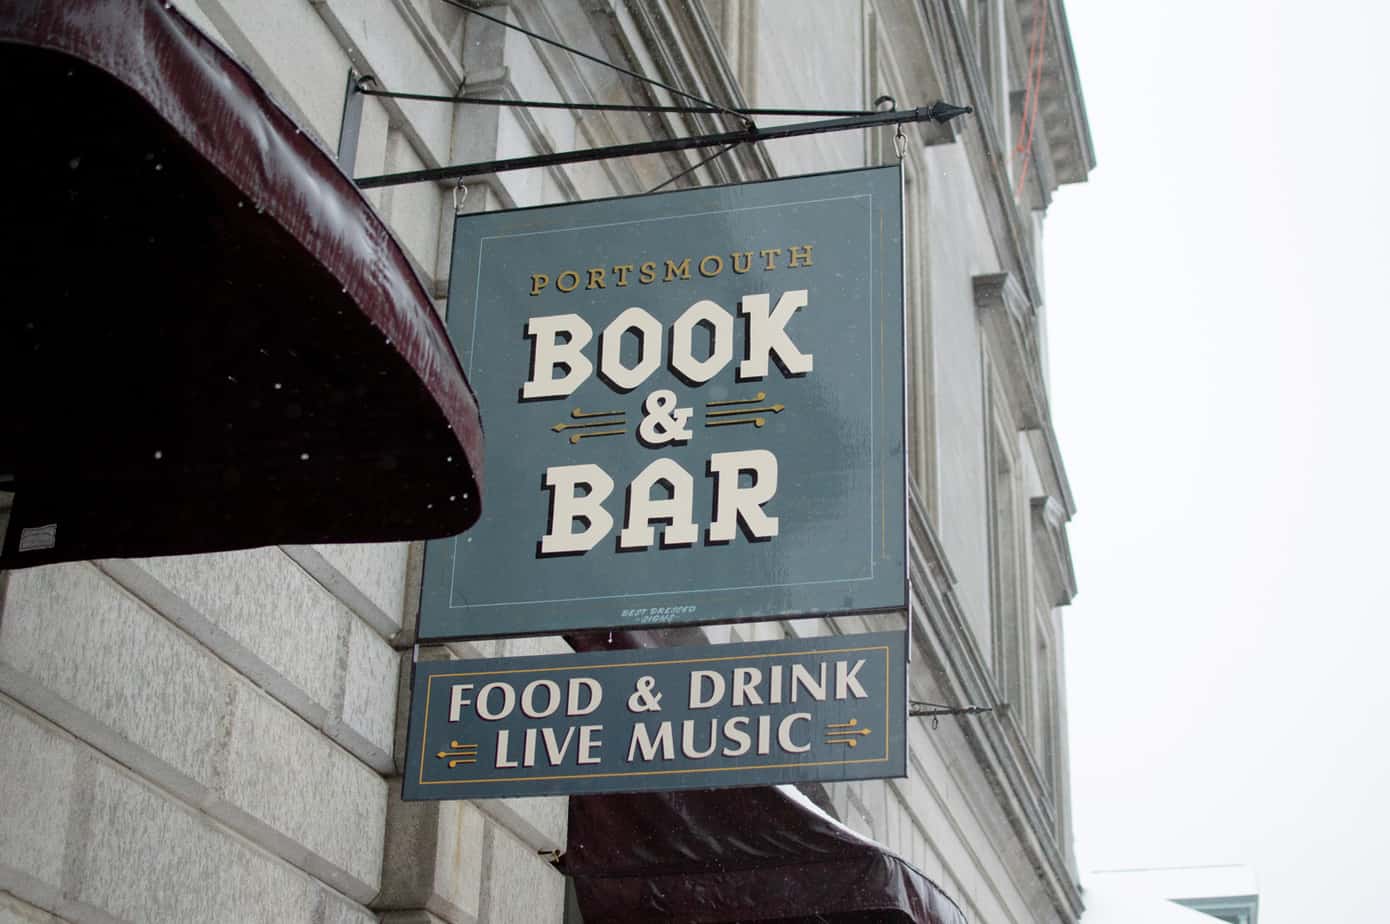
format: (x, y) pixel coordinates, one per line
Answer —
(825, 709)
(694, 409)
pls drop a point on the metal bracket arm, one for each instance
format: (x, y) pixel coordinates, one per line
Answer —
(937, 112)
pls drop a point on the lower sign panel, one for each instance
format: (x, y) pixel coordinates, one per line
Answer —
(823, 709)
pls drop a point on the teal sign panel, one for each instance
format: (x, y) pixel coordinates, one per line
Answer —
(694, 409)
(825, 709)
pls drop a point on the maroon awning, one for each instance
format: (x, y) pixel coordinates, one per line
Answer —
(209, 340)
(757, 854)
(763, 853)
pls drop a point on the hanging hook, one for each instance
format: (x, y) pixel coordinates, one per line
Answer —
(460, 196)
(886, 103)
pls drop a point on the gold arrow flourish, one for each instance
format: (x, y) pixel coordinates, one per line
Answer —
(574, 440)
(753, 400)
(561, 427)
(774, 408)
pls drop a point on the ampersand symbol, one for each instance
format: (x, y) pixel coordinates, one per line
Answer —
(664, 422)
(644, 699)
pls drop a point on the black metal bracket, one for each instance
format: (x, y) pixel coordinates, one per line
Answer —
(916, 708)
(750, 134)
(934, 711)
(350, 129)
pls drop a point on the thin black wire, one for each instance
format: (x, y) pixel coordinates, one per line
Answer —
(691, 169)
(588, 57)
(610, 107)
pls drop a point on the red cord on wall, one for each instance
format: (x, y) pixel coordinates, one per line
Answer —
(1037, 50)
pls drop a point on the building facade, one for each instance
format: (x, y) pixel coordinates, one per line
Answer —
(219, 737)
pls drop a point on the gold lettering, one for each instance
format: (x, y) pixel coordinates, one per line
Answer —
(710, 265)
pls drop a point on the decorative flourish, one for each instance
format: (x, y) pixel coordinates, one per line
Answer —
(562, 427)
(574, 440)
(774, 408)
(755, 421)
(760, 396)
(731, 414)
(846, 733)
(462, 754)
(619, 420)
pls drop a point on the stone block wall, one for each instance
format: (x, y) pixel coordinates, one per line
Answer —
(211, 738)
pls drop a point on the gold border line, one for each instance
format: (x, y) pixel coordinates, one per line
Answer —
(771, 654)
(882, 399)
(887, 703)
(591, 776)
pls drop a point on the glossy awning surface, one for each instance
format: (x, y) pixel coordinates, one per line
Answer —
(209, 339)
(756, 854)
(764, 853)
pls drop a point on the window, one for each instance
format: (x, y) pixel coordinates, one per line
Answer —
(1044, 732)
(1003, 491)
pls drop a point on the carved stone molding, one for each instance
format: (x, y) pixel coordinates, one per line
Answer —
(1061, 110)
(1051, 551)
(939, 626)
(1009, 325)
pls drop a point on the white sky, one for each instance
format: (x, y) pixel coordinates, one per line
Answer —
(1218, 334)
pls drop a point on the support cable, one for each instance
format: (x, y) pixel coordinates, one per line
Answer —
(608, 107)
(459, 4)
(692, 168)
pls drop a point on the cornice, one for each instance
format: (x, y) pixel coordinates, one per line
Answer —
(1009, 323)
(1061, 148)
(1048, 453)
(1062, 108)
(1052, 551)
